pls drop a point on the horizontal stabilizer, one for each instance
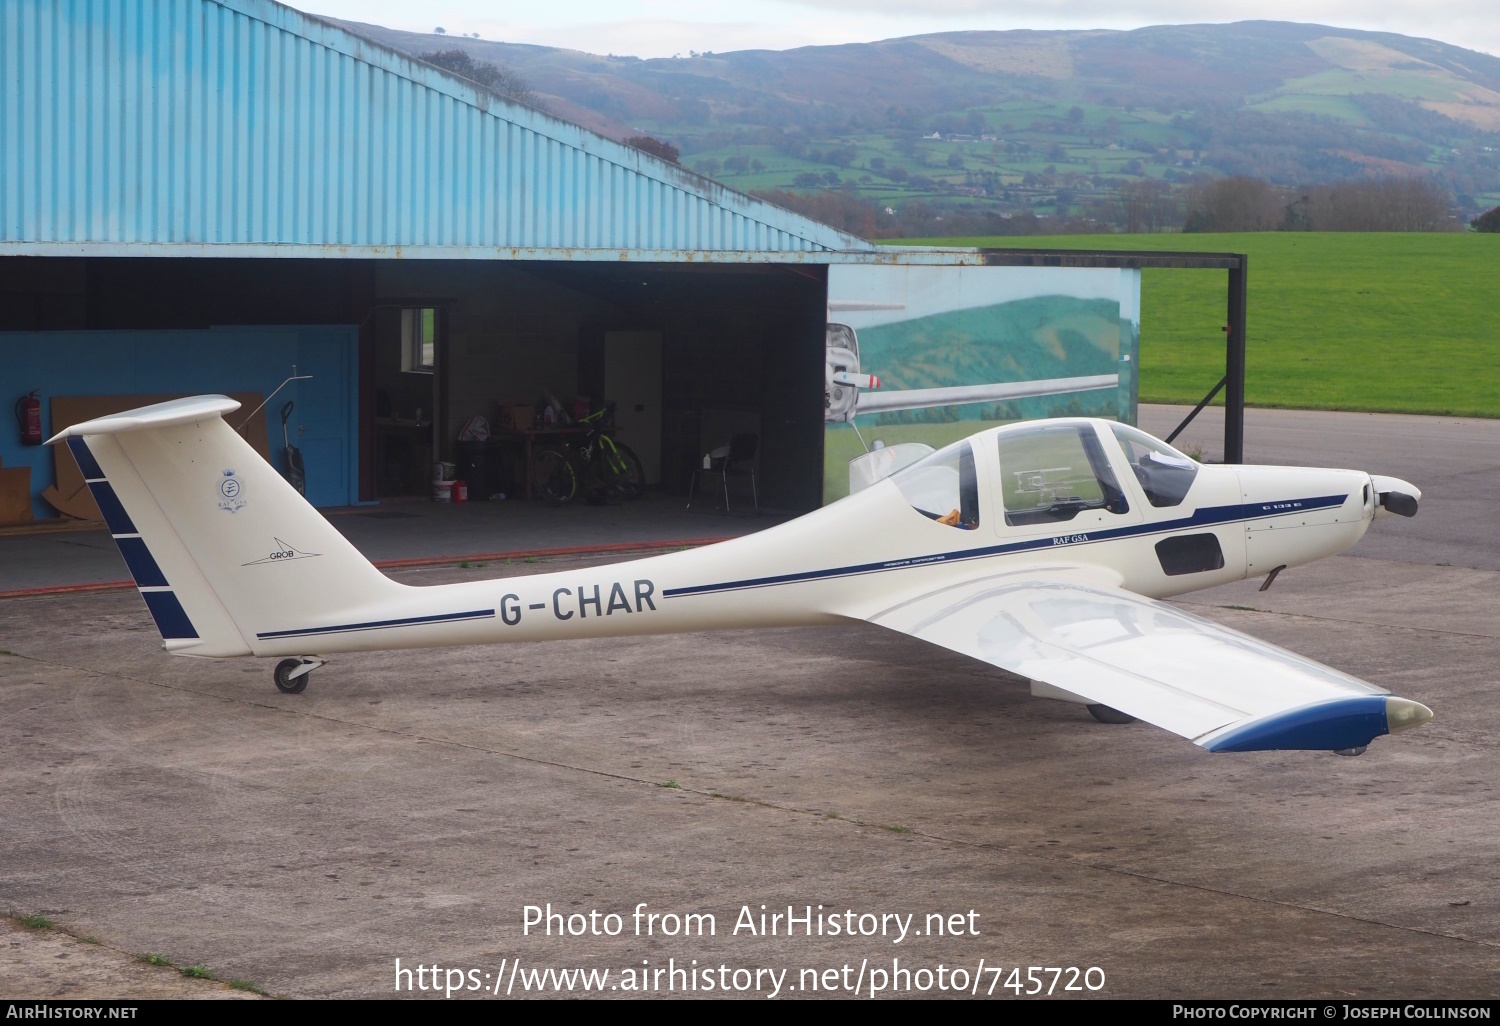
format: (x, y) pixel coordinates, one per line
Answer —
(159, 415)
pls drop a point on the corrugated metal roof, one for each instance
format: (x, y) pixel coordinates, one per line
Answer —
(243, 127)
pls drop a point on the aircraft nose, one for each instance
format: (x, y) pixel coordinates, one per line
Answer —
(1404, 714)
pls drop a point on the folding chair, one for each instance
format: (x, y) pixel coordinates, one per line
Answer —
(737, 459)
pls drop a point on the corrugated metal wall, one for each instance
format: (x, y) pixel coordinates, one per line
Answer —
(244, 123)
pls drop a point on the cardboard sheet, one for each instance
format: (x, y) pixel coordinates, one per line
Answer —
(15, 495)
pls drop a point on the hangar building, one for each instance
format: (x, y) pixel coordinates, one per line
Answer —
(201, 195)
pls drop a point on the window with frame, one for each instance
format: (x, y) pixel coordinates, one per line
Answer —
(943, 487)
(1164, 473)
(419, 339)
(1050, 473)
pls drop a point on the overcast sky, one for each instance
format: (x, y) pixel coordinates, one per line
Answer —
(660, 28)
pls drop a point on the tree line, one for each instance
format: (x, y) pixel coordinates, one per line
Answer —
(500, 81)
(1386, 204)
(1234, 204)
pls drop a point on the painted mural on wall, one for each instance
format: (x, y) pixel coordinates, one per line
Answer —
(932, 354)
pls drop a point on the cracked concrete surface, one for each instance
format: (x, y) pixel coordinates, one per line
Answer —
(50, 965)
(408, 805)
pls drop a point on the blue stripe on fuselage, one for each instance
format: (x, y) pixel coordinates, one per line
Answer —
(375, 625)
(1205, 517)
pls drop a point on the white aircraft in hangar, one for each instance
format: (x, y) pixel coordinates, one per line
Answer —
(1043, 548)
(847, 391)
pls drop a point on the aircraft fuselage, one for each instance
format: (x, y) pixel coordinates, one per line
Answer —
(864, 553)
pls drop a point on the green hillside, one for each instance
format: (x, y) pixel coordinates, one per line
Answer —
(1043, 122)
(1405, 323)
(1019, 340)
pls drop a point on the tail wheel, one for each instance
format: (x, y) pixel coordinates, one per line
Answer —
(553, 475)
(285, 682)
(626, 478)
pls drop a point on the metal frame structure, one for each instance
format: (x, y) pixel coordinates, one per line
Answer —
(1238, 266)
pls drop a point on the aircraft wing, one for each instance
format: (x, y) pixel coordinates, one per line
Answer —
(1224, 690)
(959, 395)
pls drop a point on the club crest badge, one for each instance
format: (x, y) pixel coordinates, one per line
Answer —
(231, 492)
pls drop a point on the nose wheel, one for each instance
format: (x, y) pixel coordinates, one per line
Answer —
(291, 675)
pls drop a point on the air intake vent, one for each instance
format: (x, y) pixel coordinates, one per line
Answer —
(1190, 554)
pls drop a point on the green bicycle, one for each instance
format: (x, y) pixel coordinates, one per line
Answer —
(595, 464)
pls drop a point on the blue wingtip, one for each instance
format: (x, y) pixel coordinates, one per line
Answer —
(1342, 723)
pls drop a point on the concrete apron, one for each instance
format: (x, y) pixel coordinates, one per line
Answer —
(408, 805)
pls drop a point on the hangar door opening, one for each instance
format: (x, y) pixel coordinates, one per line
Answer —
(691, 355)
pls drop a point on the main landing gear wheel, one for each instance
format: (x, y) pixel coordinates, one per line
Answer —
(285, 682)
(1104, 714)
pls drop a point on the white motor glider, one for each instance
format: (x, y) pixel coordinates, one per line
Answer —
(1041, 548)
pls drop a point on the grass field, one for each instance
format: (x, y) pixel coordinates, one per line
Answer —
(1405, 323)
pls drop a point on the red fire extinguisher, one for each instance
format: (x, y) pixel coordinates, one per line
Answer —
(29, 419)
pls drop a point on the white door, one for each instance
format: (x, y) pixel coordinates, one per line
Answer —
(632, 379)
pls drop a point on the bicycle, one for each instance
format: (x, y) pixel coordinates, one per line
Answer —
(553, 475)
(616, 464)
(559, 471)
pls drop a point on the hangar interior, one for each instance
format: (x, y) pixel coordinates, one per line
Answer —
(689, 353)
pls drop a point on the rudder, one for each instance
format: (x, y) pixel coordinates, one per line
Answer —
(223, 550)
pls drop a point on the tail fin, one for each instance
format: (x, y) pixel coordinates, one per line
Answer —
(222, 548)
